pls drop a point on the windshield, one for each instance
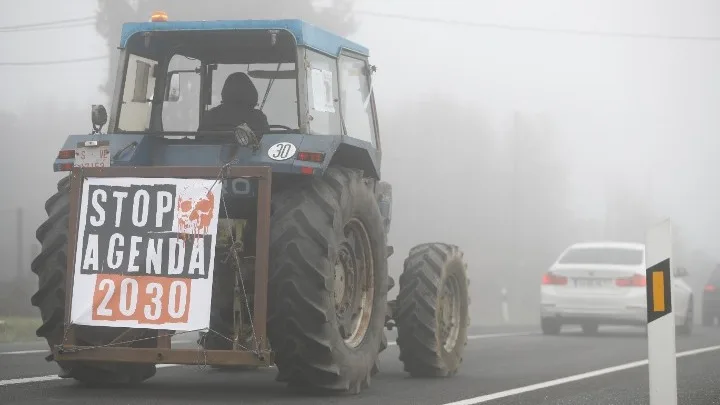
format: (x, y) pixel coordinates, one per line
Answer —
(613, 256)
(276, 98)
(190, 82)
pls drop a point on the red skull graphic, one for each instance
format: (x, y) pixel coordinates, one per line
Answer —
(195, 214)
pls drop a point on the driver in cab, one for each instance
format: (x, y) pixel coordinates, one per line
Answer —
(237, 106)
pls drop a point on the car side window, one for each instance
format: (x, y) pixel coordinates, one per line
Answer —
(355, 99)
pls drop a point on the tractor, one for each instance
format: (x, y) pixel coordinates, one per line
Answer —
(281, 258)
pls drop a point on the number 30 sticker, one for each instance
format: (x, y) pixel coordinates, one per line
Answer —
(281, 151)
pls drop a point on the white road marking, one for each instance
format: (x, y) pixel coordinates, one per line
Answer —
(488, 336)
(55, 377)
(29, 380)
(25, 352)
(577, 377)
(47, 351)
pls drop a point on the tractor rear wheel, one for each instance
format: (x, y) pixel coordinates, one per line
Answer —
(432, 310)
(328, 282)
(50, 266)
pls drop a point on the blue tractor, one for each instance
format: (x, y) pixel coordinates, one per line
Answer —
(283, 114)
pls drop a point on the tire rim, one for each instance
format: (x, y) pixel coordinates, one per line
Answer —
(449, 319)
(354, 285)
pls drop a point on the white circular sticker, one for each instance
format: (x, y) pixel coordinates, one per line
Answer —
(282, 151)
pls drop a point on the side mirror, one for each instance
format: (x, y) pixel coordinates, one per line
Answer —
(681, 272)
(172, 91)
(99, 116)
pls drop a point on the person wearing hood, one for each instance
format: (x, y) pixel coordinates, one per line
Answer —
(239, 99)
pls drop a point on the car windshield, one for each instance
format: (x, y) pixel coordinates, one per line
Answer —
(614, 256)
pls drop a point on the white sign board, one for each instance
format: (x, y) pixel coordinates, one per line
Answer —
(322, 90)
(282, 151)
(145, 253)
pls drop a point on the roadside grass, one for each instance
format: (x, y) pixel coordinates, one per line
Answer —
(18, 329)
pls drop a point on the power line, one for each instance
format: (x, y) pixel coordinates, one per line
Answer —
(53, 62)
(538, 29)
(47, 23)
(49, 27)
(86, 21)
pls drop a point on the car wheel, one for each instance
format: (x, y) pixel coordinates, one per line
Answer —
(708, 319)
(550, 326)
(686, 327)
(590, 328)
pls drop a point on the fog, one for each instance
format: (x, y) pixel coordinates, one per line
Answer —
(510, 128)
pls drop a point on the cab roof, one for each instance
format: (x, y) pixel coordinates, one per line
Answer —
(305, 33)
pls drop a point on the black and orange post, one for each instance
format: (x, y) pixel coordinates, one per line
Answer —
(659, 302)
(662, 364)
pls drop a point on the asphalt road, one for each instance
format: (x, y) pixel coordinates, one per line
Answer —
(501, 366)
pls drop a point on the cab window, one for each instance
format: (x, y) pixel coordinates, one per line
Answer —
(324, 117)
(183, 114)
(355, 99)
(137, 94)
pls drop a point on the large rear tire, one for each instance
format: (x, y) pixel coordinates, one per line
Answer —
(432, 304)
(50, 266)
(328, 282)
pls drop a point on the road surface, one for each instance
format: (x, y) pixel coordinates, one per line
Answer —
(501, 366)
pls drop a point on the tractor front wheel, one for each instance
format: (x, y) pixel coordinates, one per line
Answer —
(432, 310)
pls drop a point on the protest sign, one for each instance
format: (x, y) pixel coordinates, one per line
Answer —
(145, 252)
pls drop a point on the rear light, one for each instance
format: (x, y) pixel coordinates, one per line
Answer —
(553, 279)
(316, 157)
(634, 281)
(307, 170)
(66, 154)
(63, 167)
(710, 288)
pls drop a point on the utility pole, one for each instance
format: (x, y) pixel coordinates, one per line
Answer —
(608, 208)
(21, 247)
(513, 193)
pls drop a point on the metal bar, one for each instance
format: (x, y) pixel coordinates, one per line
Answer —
(164, 356)
(164, 340)
(262, 248)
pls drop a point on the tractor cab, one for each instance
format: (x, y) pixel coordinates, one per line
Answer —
(278, 93)
(183, 78)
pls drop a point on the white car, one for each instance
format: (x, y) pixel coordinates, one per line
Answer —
(603, 283)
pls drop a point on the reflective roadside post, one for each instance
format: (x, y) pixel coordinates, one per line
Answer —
(662, 363)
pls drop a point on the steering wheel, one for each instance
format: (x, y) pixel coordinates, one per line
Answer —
(280, 127)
